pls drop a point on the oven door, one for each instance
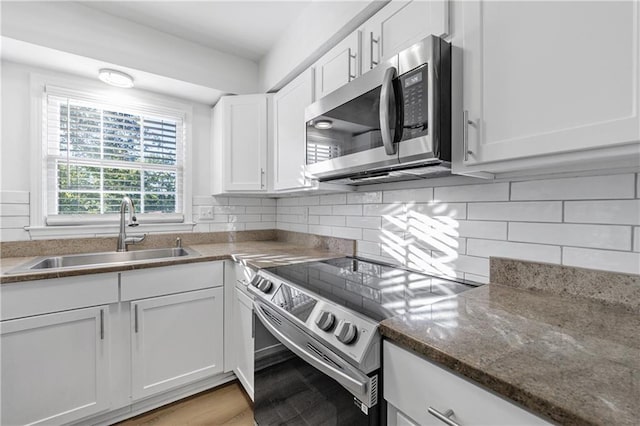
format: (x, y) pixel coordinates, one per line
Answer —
(300, 381)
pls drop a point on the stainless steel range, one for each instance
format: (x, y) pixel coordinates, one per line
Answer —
(321, 360)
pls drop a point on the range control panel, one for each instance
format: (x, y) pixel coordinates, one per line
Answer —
(346, 331)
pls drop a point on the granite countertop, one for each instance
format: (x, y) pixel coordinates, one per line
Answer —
(570, 358)
(257, 254)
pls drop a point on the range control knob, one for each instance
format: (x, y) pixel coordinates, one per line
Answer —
(255, 280)
(261, 283)
(264, 285)
(326, 320)
(346, 332)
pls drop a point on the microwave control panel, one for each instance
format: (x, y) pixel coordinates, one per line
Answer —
(414, 97)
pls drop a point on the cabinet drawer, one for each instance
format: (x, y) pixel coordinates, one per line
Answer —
(23, 299)
(413, 384)
(170, 279)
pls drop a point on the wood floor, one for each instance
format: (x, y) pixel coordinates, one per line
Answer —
(225, 405)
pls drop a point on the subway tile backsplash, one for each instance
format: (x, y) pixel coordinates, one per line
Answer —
(14, 215)
(591, 222)
(235, 214)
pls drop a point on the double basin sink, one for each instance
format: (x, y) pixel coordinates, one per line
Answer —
(102, 259)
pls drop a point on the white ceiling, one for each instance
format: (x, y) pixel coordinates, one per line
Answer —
(243, 28)
(50, 59)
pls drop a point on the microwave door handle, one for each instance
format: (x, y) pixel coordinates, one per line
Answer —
(386, 95)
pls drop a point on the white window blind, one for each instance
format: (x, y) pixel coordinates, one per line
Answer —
(98, 152)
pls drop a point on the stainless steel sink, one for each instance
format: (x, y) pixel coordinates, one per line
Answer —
(101, 259)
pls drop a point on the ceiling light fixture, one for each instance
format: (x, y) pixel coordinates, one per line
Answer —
(323, 124)
(115, 78)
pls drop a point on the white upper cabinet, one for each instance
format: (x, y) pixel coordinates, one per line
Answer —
(400, 24)
(546, 79)
(338, 66)
(239, 129)
(289, 132)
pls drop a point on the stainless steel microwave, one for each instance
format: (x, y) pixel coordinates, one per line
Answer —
(395, 120)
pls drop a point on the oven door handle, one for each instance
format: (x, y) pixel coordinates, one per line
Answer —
(355, 382)
(387, 94)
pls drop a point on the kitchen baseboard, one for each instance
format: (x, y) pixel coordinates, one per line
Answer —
(157, 401)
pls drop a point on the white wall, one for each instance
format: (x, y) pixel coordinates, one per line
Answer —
(318, 28)
(16, 174)
(74, 28)
(591, 222)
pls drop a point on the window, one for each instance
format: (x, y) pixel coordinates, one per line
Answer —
(97, 152)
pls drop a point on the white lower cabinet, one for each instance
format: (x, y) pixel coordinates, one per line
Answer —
(243, 340)
(95, 349)
(55, 367)
(175, 340)
(413, 385)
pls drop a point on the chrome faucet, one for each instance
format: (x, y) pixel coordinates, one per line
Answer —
(123, 240)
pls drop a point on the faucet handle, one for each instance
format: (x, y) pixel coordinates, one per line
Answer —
(135, 240)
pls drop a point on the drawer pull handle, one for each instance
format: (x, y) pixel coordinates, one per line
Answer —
(445, 418)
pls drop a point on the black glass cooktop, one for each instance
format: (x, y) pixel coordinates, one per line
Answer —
(375, 290)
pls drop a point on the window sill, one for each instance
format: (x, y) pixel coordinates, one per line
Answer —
(106, 230)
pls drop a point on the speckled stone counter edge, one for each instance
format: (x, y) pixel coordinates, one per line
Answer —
(612, 288)
(102, 244)
(327, 247)
(539, 406)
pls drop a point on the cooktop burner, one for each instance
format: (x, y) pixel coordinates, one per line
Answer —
(376, 290)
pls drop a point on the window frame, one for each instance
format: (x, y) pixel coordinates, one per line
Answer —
(42, 224)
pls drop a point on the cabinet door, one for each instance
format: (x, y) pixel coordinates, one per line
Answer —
(290, 133)
(245, 143)
(400, 24)
(549, 77)
(338, 66)
(175, 340)
(243, 332)
(55, 367)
